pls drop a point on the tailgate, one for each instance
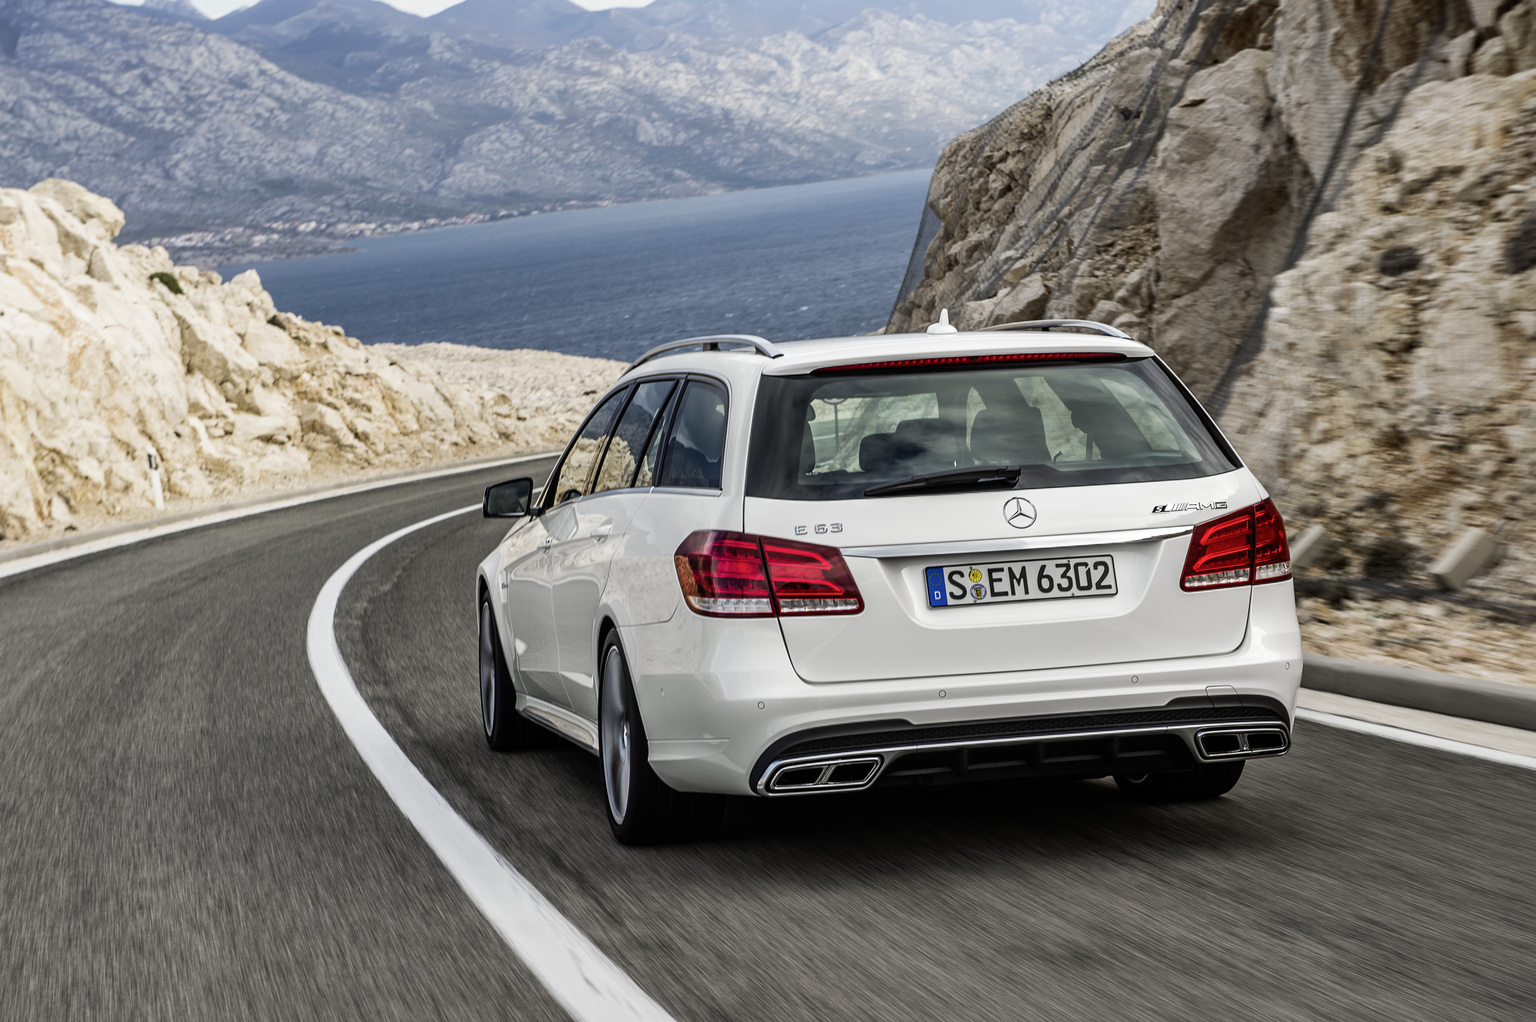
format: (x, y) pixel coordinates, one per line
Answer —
(1110, 592)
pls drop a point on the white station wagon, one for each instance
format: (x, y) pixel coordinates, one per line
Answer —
(816, 567)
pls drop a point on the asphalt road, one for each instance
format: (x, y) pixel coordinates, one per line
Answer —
(186, 832)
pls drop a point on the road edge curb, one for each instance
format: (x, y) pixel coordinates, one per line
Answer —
(49, 552)
(1493, 702)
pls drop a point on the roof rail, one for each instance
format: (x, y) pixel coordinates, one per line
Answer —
(1061, 324)
(710, 342)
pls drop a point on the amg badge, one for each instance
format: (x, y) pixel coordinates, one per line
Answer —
(1168, 509)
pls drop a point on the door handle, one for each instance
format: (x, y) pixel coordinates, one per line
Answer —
(602, 532)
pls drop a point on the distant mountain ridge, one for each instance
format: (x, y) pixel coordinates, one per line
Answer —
(308, 114)
(547, 22)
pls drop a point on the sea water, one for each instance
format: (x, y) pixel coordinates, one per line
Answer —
(812, 260)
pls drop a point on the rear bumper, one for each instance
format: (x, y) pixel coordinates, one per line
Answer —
(725, 712)
(1075, 746)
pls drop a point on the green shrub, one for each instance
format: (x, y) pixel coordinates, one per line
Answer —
(169, 280)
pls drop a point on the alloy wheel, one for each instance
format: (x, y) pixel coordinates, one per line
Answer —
(617, 758)
(487, 669)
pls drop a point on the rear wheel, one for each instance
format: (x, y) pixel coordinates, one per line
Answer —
(641, 808)
(505, 728)
(1208, 780)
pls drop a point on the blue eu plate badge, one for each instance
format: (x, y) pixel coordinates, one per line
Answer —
(937, 596)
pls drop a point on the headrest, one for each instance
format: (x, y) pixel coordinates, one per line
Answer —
(1012, 437)
(875, 453)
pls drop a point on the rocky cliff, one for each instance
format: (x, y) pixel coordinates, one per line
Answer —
(1393, 394)
(1322, 213)
(109, 355)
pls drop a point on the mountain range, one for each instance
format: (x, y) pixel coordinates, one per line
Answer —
(308, 114)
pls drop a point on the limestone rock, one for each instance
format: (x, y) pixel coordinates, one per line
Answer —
(107, 353)
(1322, 219)
(1025, 301)
(98, 215)
(1404, 399)
(1187, 155)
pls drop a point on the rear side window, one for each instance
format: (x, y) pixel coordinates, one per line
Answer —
(696, 447)
(576, 469)
(630, 436)
(833, 437)
(646, 476)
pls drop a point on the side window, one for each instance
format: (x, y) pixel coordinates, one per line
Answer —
(630, 435)
(697, 444)
(646, 476)
(576, 469)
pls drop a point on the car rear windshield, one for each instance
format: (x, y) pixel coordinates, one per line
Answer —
(831, 437)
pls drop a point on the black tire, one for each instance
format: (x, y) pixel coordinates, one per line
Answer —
(505, 728)
(1208, 780)
(641, 808)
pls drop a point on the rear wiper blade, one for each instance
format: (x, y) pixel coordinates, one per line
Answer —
(953, 479)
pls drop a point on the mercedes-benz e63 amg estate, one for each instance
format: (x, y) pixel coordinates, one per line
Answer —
(817, 567)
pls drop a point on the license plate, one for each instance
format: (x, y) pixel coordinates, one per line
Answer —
(1051, 578)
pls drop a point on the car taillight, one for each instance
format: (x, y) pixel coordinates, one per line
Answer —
(732, 574)
(722, 573)
(1271, 553)
(1239, 549)
(810, 579)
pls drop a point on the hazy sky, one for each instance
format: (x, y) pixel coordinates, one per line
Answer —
(215, 8)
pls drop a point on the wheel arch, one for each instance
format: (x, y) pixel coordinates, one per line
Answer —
(606, 626)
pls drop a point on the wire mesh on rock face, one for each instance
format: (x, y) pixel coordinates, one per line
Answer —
(1321, 213)
(928, 228)
(1113, 171)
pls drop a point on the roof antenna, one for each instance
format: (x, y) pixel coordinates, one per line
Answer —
(942, 326)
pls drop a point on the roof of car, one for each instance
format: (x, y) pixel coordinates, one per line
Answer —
(795, 357)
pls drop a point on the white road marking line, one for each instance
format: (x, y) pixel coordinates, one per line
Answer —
(578, 975)
(92, 546)
(1397, 734)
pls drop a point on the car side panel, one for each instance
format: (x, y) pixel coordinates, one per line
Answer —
(527, 611)
(579, 569)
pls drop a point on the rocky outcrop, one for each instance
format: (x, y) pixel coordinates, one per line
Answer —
(110, 355)
(1164, 184)
(554, 392)
(1394, 397)
(1323, 215)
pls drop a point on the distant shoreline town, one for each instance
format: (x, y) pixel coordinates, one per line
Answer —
(298, 239)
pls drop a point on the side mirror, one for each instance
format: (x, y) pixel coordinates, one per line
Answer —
(509, 500)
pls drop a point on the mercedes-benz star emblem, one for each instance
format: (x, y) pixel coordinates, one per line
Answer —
(1019, 512)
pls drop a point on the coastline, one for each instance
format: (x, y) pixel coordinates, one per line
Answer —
(282, 241)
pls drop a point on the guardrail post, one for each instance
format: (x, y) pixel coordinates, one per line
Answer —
(1311, 546)
(1473, 551)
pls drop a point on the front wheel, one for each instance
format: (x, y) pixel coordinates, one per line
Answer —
(641, 808)
(1208, 780)
(505, 728)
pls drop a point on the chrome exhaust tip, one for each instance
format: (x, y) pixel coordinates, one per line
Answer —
(843, 774)
(1242, 743)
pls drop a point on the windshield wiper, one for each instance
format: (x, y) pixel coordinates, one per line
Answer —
(953, 479)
